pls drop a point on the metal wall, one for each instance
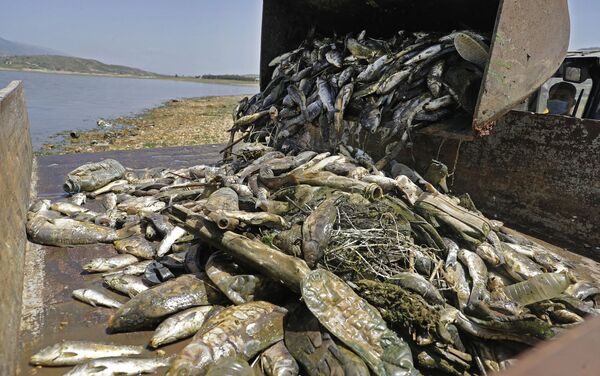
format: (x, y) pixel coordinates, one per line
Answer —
(15, 178)
(539, 173)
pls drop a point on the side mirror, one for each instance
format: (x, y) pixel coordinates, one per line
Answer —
(575, 74)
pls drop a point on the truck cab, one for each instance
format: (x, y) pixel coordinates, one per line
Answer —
(581, 69)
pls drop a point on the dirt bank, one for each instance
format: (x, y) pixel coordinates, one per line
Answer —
(176, 123)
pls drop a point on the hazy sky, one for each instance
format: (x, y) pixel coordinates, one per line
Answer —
(177, 36)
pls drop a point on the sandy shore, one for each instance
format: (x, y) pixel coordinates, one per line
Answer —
(176, 123)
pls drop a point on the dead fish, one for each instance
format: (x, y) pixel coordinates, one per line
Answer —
(66, 231)
(582, 290)
(251, 218)
(91, 176)
(105, 264)
(456, 278)
(182, 325)
(425, 54)
(222, 199)
(359, 50)
(70, 353)
(149, 307)
(120, 366)
(418, 284)
(313, 348)
(165, 245)
(133, 269)
(68, 208)
(136, 205)
(518, 266)
(159, 222)
(341, 102)
(434, 78)
(127, 284)
(326, 94)
(478, 273)
(95, 298)
(238, 286)
(373, 70)
(297, 96)
(356, 323)
(489, 255)
(335, 58)
(109, 201)
(436, 174)
(78, 198)
(242, 330)
(370, 118)
(390, 82)
(317, 229)
(345, 76)
(277, 361)
(231, 366)
(117, 186)
(137, 246)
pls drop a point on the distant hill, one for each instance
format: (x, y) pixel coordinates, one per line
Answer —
(9, 48)
(67, 64)
(235, 77)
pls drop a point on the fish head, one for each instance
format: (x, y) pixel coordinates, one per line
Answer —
(49, 354)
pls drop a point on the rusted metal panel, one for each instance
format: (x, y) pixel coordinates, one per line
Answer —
(530, 42)
(539, 173)
(15, 178)
(573, 353)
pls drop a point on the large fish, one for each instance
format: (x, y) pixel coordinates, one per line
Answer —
(66, 231)
(242, 331)
(356, 323)
(150, 307)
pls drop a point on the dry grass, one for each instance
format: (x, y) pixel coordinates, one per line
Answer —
(176, 123)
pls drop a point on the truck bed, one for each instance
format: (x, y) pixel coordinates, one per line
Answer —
(50, 314)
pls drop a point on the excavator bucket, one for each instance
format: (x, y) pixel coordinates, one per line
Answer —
(529, 37)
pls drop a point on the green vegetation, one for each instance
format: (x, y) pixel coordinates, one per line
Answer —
(67, 64)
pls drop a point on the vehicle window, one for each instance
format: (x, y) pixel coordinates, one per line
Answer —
(542, 104)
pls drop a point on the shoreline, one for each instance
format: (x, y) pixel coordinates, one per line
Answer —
(159, 77)
(187, 121)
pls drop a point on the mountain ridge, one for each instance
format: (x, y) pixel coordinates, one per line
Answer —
(11, 48)
(69, 64)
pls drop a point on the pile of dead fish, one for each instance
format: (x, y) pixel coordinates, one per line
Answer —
(306, 264)
(356, 90)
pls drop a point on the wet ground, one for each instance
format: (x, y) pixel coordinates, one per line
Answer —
(51, 273)
(50, 314)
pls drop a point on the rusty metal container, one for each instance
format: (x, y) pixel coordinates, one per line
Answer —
(529, 38)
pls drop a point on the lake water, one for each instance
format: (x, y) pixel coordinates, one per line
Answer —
(59, 102)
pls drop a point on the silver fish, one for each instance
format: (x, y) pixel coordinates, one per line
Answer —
(70, 353)
(137, 246)
(120, 366)
(95, 298)
(372, 71)
(181, 325)
(165, 245)
(126, 283)
(105, 264)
